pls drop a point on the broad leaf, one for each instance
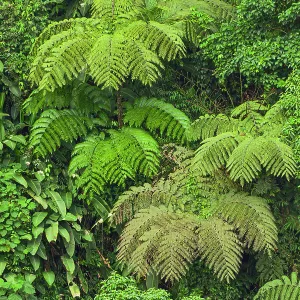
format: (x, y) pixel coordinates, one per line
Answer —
(38, 218)
(59, 202)
(68, 263)
(52, 232)
(49, 277)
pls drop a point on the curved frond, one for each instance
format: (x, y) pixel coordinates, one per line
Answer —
(163, 39)
(110, 9)
(160, 239)
(214, 152)
(113, 160)
(156, 115)
(55, 126)
(246, 108)
(164, 192)
(252, 217)
(286, 288)
(143, 64)
(278, 158)
(108, 61)
(63, 56)
(210, 125)
(244, 163)
(220, 247)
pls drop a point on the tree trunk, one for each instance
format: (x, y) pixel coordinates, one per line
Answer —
(120, 109)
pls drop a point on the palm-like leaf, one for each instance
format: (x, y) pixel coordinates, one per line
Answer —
(123, 155)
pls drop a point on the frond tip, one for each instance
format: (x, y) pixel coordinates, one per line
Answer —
(157, 115)
(286, 288)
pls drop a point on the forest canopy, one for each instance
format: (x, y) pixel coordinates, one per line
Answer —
(150, 149)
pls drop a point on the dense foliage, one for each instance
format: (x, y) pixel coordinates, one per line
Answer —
(150, 138)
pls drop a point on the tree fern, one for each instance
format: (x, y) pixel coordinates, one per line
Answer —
(113, 160)
(252, 217)
(55, 126)
(220, 248)
(161, 239)
(244, 143)
(157, 115)
(169, 237)
(286, 288)
(214, 152)
(108, 46)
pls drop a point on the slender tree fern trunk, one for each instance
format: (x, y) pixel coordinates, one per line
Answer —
(120, 109)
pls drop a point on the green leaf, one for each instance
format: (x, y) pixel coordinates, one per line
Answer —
(35, 186)
(49, 277)
(88, 236)
(64, 233)
(14, 297)
(68, 263)
(36, 231)
(3, 264)
(10, 144)
(70, 246)
(67, 199)
(38, 218)
(52, 232)
(82, 280)
(35, 244)
(35, 261)
(59, 202)
(74, 289)
(41, 201)
(40, 176)
(30, 277)
(1, 67)
(152, 280)
(18, 138)
(42, 251)
(20, 179)
(70, 217)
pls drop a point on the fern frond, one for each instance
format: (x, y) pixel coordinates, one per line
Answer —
(246, 108)
(244, 163)
(163, 39)
(161, 239)
(110, 9)
(164, 192)
(220, 247)
(126, 153)
(269, 267)
(55, 126)
(278, 158)
(143, 64)
(209, 125)
(108, 66)
(285, 288)
(62, 56)
(251, 216)
(214, 152)
(157, 115)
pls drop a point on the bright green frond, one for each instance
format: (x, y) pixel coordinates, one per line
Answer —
(214, 152)
(62, 56)
(163, 39)
(55, 126)
(278, 158)
(209, 125)
(252, 217)
(126, 153)
(243, 110)
(244, 163)
(284, 289)
(143, 64)
(110, 9)
(220, 248)
(157, 115)
(108, 61)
